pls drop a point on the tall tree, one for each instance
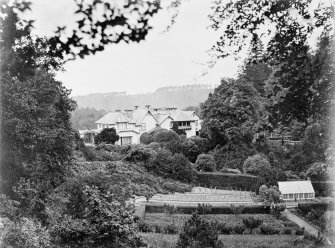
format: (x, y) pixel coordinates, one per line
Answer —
(36, 133)
(233, 113)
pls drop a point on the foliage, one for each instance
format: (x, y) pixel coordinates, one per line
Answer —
(107, 135)
(256, 165)
(198, 233)
(91, 218)
(318, 171)
(140, 153)
(269, 195)
(232, 156)
(146, 138)
(23, 232)
(252, 223)
(164, 135)
(205, 162)
(36, 134)
(172, 166)
(232, 113)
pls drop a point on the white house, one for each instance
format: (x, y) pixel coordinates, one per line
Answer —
(296, 190)
(130, 124)
(186, 122)
(125, 127)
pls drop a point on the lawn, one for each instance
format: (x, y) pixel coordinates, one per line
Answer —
(156, 240)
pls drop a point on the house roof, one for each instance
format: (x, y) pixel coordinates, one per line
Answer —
(113, 117)
(139, 114)
(182, 116)
(191, 113)
(292, 187)
(161, 117)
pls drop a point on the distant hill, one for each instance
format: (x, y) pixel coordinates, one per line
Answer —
(172, 96)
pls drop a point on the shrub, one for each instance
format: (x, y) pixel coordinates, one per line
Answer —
(269, 229)
(107, 135)
(143, 226)
(182, 169)
(287, 231)
(300, 231)
(307, 207)
(224, 228)
(198, 232)
(23, 232)
(171, 229)
(205, 162)
(239, 228)
(252, 223)
(232, 156)
(146, 138)
(256, 165)
(164, 135)
(140, 153)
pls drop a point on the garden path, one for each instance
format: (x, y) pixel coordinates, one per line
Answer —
(302, 223)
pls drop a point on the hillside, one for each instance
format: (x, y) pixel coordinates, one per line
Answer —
(176, 96)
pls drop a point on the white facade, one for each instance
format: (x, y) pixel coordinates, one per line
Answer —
(130, 124)
(296, 190)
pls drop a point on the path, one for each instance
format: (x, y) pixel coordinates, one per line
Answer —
(302, 223)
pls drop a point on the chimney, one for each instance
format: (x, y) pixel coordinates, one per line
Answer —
(147, 106)
(128, 110)
(118, 110)
(156, 109)
(136, 107)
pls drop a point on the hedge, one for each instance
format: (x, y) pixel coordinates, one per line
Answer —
(308, 206)
(249, 209)
(228, 180)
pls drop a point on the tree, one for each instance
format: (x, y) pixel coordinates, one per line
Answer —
(36, 133)
(107, 135)
(182, 169)
(297, 89)
(256, 165)
(233, 113)
(205, 162)
(98, 24)
(94, 219)
(198, 233)
(269, 195)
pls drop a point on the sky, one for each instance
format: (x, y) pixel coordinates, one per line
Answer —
(176, 57)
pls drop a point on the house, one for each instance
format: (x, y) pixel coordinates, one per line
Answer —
(125, 127)
(129, 124)
(296, 190)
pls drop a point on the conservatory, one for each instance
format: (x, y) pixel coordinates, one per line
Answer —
(296, 190)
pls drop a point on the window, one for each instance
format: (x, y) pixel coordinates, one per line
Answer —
(291, 196)
(305, 195)
(301, 195)
(122, 126)
(125, 140)
(144, 127)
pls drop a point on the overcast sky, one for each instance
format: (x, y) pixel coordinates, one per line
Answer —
(176, 57)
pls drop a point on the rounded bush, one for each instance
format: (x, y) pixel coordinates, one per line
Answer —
(165, 135)
(205, 162)
(256, 165)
